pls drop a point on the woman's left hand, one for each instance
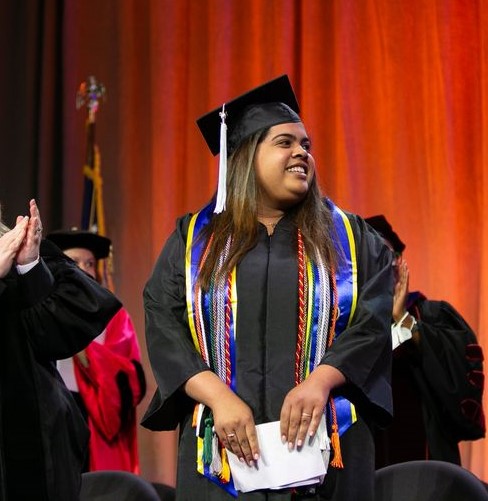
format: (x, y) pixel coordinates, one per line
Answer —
(29, 250)
(304, 405)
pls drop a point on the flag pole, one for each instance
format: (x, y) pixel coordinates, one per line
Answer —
(89, 94)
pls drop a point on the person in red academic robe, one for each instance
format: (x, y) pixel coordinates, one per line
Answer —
(107, 375)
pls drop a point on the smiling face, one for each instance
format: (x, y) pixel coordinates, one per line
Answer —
(284, 167)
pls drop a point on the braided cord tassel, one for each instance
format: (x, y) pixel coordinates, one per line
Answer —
(199, 310)
(228, 306)
(334, 438)
(335, 441)
(207, 441)
(302, 314)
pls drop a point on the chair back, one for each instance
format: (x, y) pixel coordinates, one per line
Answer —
(116, 486)
(428, 480)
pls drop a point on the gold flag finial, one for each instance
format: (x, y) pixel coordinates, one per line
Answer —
(89, 94)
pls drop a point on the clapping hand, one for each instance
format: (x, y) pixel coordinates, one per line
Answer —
(29, 249)
(21, 244)
(401, 292)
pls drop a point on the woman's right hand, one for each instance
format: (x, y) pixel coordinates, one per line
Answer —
(234, 424)
(10, 243)
(233, 418)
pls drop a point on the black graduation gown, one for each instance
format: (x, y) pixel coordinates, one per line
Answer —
(265, 340)
(437, 388)
(50, 313)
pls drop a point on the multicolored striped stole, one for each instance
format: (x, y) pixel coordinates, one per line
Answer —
(326, 306)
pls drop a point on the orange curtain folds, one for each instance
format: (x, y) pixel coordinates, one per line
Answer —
(394, 94)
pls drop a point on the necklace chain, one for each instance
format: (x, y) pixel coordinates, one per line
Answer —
(270, 222)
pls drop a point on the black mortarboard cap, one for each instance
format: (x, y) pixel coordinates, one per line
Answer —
(74, 238)
(269, 104)
(383, 227)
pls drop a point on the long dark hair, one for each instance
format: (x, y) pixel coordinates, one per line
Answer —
(240, 219)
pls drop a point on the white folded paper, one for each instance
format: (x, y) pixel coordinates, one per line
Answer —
(278, 467)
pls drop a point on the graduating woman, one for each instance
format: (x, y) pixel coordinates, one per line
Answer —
(269, 304)
(50, 310)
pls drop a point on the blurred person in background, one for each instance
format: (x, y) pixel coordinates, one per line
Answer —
(437, 373)
(49, 310)
(106, 377)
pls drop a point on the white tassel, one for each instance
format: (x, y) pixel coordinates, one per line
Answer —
(216, 464)
(222, 188)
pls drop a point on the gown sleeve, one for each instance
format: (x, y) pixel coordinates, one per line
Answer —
(63, 308)
(447, 368)
(362, 352)
(172, 354)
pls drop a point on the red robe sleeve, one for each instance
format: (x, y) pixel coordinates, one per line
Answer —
(111, 386)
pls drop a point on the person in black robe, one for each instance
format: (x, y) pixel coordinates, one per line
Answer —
(50, 310)
(244, 365)
(437, 374)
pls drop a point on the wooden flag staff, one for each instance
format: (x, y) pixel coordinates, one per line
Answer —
(89, 94)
